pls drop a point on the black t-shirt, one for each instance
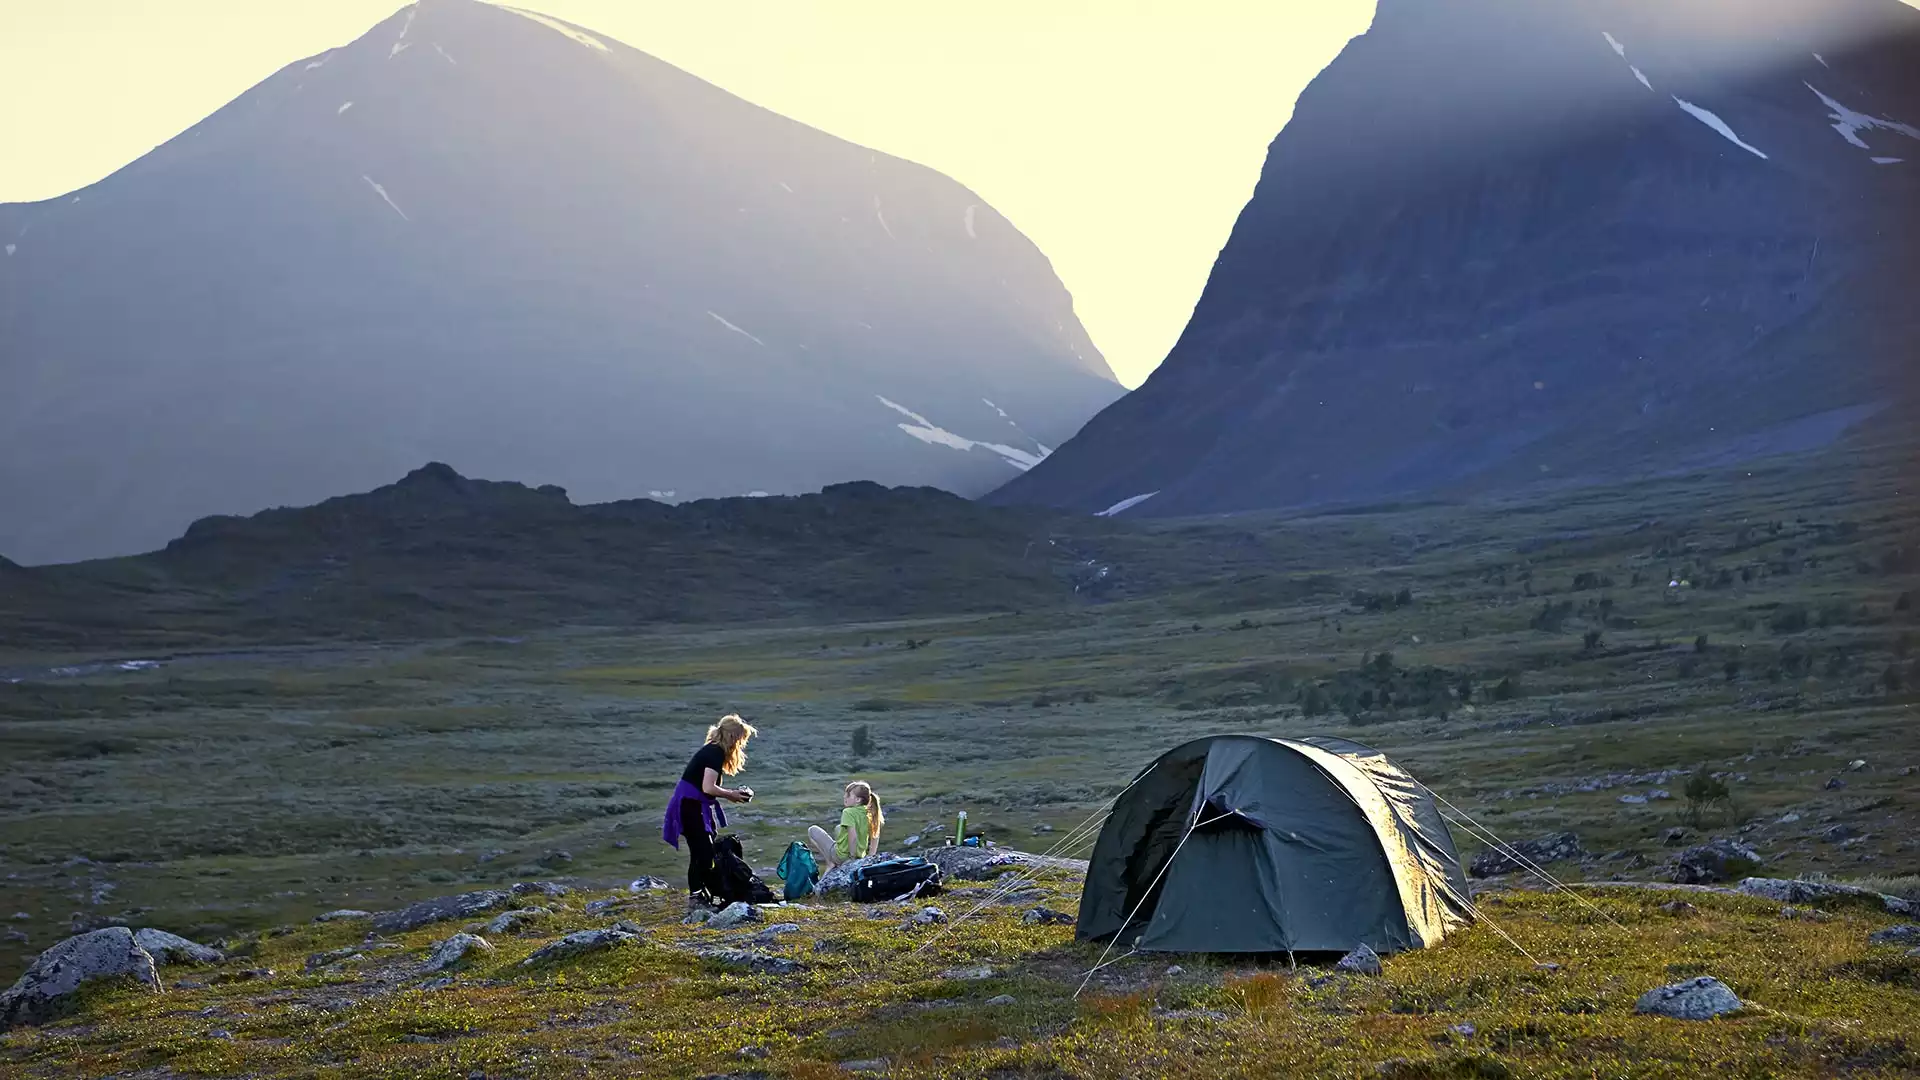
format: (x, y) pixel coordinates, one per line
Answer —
(707, 757)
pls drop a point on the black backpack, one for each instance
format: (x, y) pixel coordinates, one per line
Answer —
(735, 881)
(891, 879)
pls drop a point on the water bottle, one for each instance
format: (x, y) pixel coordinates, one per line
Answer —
(960, 829)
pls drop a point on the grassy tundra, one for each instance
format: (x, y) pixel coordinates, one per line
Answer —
(1532, 659)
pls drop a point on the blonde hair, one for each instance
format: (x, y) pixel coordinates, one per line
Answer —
(731, 734)
(863, 791)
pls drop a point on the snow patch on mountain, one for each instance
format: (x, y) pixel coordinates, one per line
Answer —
(322, 62)
(882, 219)
(723, 322)
(1125, 505)
(9, 249)
(580, 36)
(1850, 123)
(444, 56)
(1707, 117)
(967, 219)
(1888, 160)
(934, 435)
(343, 108)
(662, 495)
(382, 192)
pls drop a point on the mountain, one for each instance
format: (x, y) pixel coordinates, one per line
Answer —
(438, 553)
(1502, 242)
(484, 235)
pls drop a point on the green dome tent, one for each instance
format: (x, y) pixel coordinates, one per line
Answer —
(1243, 844)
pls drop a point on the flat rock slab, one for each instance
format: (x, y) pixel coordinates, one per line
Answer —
(1715, 861)
(1807, 892)
(168, 948)
(1907, 934)
(1553, 847)
(1361, 961)
(440, 909)
(343, 914)
(50, 981)
(759, 963)
(508, 921)
(579, 943)
(1696, 999)
(733, 915)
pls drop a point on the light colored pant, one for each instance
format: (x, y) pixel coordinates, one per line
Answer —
(821, 841)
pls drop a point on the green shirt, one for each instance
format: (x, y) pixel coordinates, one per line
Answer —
(853, 826)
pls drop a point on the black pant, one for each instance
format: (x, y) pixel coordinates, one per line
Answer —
(693, 826)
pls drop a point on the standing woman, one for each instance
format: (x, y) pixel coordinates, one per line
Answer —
(694, 811)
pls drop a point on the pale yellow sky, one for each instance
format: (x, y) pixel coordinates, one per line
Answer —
(1122, 136)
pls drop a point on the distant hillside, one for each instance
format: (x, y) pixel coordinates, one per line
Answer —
(1510, 241)
(483, 235)
(438, 553)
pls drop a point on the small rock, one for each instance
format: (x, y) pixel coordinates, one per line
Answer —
(544, 888)
(456, 949)
(1788, 818)
(508, 921)
(1043, 827)
(21, 916)
(47, 987)
(911, 841)
(1042, 916)
(759, 963)
(865, 1065)
(325, 959)
(1002, 1000)
(219, 1033)
(1904, 934)
(1546, 967)
(1674, 837)
(927, 916)
(15, 936)
(629, 926)
(774, 932)
(416, 1038)
(1678, 907)
(440, 909)
(968, 974)
(1696, 999)
(579, 943)
(1835, 833)
(1554, 847)
(1175, 970)
(647, 883)
(753, 1053)
(1634, 800)
(697, 917)
(1361, 961)
(1715, 861)
(1856, 765)
(342, 915)
(556, 857)
(1835, 784)
(733, 915)
(595, 907)
(1908, 771)
(1658, 795)
(621, 845)
(440, 983)
(168, 948)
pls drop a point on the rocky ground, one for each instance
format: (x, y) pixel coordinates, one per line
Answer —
(1766, 977)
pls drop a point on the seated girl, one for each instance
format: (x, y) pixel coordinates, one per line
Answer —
(858, 834)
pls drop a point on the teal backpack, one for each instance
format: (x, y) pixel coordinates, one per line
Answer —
(798, 870)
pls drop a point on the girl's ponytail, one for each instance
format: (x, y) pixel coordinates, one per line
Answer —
(874, 819)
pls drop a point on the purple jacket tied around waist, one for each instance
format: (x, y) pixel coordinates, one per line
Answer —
(710, 813)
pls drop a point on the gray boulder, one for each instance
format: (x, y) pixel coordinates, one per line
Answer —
(440, 909)
(508, 921)
(733, 915)
(1696, 999)
(455, 950)
(1554, 847)
(1361, 961)
(543, 888)
(775, 932)
(579, 943)
(1905, 934)
(50, 981)
(1714, 861)
(168, 948)
(1807, 892)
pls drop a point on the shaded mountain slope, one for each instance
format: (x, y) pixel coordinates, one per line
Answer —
(1502, 242)
(480, 235)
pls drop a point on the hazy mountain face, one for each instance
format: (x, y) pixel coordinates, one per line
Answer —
(1504, 241)
(492, 238)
